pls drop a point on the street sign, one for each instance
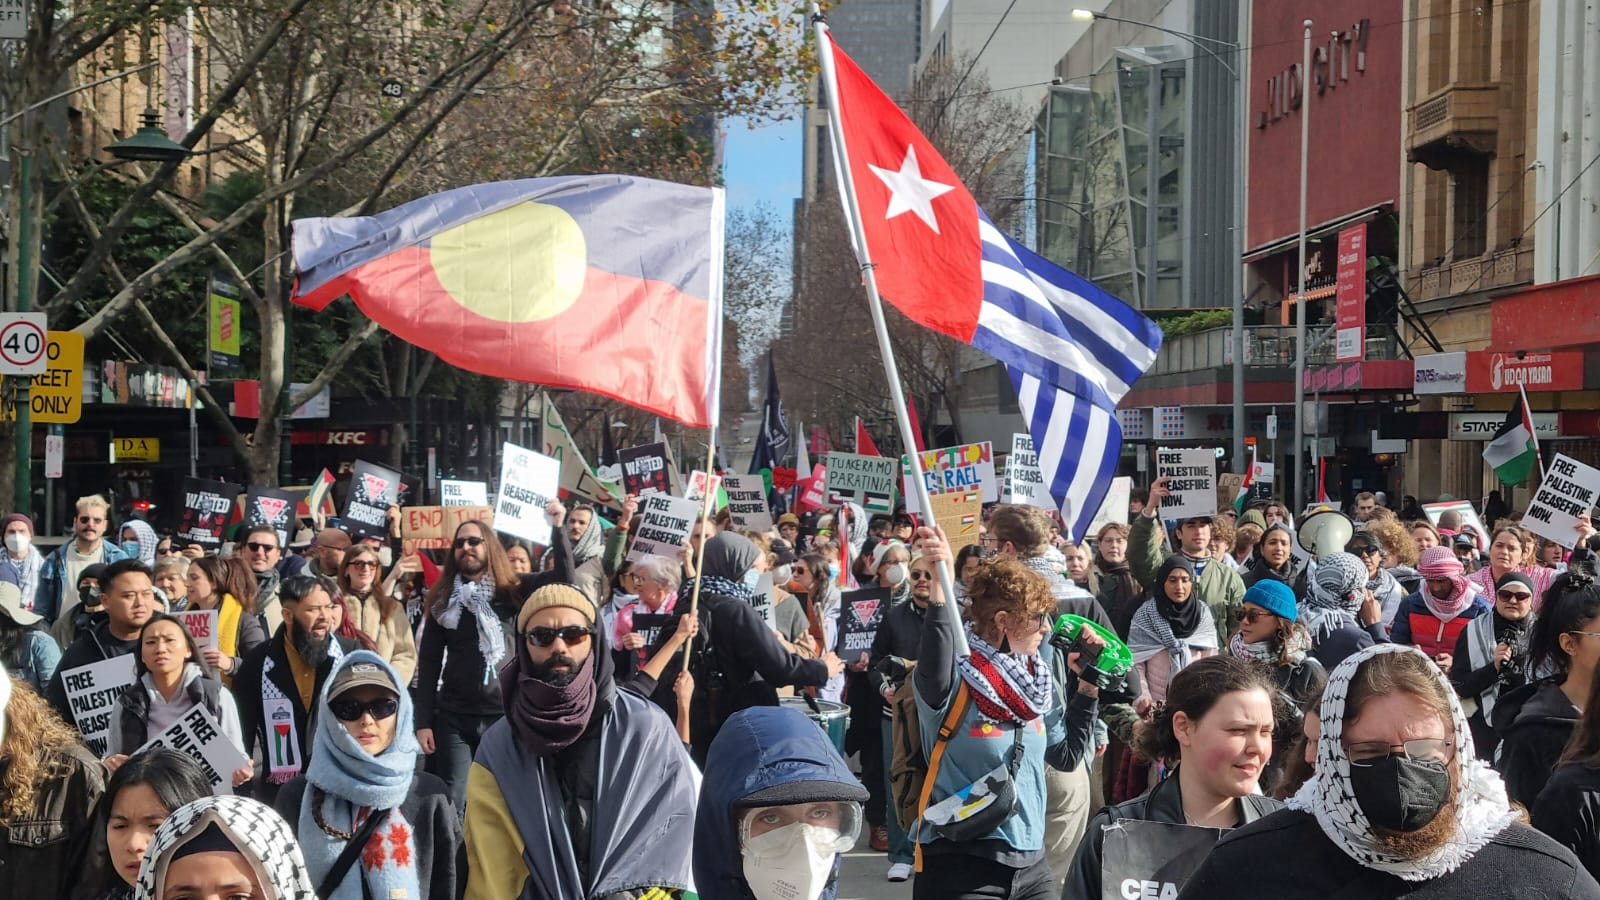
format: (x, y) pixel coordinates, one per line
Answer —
(22, 343)
(55, 452)
(56, 395)
(13, 20)
(1272, 426)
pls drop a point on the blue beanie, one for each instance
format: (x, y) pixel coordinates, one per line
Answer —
(1273, 596)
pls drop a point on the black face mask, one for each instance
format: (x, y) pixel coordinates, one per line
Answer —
(1401, 794)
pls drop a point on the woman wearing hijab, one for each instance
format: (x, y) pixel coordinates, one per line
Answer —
(1491, 656)
(140, 795)
(362, 782)
(1399, 806)
(1433, 618)
(139, 541)
(229, 847)
(1275, 559)
(1171, 629)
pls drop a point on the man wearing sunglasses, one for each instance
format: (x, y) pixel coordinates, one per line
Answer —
(619, 830)
(262, 552)
(894, 652)
(58, 580)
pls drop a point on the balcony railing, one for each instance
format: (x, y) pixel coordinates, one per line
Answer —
(1265, 346)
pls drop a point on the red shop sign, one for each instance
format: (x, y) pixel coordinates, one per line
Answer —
(1493, 372)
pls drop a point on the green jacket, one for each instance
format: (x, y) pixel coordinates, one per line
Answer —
(1220, 586)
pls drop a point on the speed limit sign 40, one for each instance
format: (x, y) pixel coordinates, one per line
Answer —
(22, 344)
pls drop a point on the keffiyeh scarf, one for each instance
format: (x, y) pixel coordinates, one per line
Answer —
(590, 545)
(1482, 809)
(1151, 634)
(1440, 562)
(1335, 595)
(1268, 652)
(475, 597)
(1005, 687)
(716, 584)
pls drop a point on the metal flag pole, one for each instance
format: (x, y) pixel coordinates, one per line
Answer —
(875, 304)
(1300, 299)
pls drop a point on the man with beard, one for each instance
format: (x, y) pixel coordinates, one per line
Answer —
(264, 555)
(58, 577)
(588, 551)
(1400, 805)
(622, 830)
(278, 683)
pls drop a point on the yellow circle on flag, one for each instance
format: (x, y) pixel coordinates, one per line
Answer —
(521, 264)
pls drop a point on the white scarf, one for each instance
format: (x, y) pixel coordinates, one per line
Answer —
(1482, 810)
(474, 597)
(1150, 634)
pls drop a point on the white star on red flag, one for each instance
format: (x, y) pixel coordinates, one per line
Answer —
(909, 191)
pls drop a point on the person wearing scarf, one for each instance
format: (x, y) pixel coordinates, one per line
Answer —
(1492, 656)
(1271, 635)
(1010, 722)
(655, 580)
(591, 780)
(22, 561)
(1111, 578)
(363, 764)
(1366, 546)
(1399, 805)
(587, 534)
(1505, 556)
(1433, 618)
(1275, 559)
(233, 835)
(1171, 629)
(1338, 612)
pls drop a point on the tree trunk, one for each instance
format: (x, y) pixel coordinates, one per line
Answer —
(263, 456)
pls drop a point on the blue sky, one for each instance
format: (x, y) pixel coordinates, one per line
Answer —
(763, 165)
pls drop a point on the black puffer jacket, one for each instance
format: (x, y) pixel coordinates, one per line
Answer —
(1568, 810)
(1534, 722)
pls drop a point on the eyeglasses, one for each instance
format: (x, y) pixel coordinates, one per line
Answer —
(571, 635)
(798, 569)
(259, 547)
(1249, 616)
(1369, 551)
(1369, 753)
(91, 520)
(467, 542)
(919, 575)
(352, 710)
(1514, 596)
(1585, 633)
(363, 564)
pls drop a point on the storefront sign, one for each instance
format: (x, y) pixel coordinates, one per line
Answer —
(340, 438)
(1441, 373)
(1350, 336)
(1482, 426)
(135, 449)
(1494, 372)
(226, 325)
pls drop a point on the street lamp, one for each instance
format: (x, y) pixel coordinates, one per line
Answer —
(1236, 278)
(150, 143)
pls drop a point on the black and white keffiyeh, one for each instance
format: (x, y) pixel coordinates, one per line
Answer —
(1334, 595)
(475, 597)
(1482, 809)
(1150, 634)
(259, 834)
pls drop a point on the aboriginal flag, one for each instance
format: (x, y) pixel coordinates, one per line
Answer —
(603, 283)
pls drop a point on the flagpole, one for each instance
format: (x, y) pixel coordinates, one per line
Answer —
(1527, 416)
(875, 305)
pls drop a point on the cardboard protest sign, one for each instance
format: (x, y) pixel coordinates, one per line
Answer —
(271, 506)
(1113, 509)
(201, 625)
(528, 481)
(91, 692)
(1193, 481)
(434, 527)
(701, 484)
(463, 493)
(960, 515)
(1569, 490)
(207, 510)
(952, 469)
(860, 614)
(664, 524)
(646, 470)
(1024, 480)
(1229, 484)
(373, 489)
(747, 502)
(1468, 515)
(1152, 859)
(867, 480)
(197, 735)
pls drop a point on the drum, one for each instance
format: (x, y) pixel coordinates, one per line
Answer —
(833, 718)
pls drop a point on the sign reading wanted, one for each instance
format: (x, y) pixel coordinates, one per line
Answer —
(1569, 490)
(867, 480)
(207, 509)
(664, 524)
(1192, 477)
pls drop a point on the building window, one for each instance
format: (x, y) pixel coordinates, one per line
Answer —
(1470, 207)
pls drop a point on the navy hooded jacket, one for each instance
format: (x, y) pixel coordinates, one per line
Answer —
(758, 749)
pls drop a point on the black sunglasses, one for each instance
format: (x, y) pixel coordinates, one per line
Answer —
(260, 547)
(570, 635)
(467, 542)
(352, 710)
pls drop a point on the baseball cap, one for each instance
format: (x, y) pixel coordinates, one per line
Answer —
(361, 674)
(1465, 542)
(11, 605)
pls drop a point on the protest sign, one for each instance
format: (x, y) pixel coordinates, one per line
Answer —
(528, 481)
(867, 480)
(1113, 509)
(960, 515)
(860, 614)
(1024, 481)
(761, 600)
(1263, 473)
(698, 485)
(1152, 859)
(1229, 484)
(207, 509)
(664, 524)
(463, 493)
(201, 625)
(91, 692)
(1192, 478)
(434, 527)
(271, 506)
(655, 628)
(197, 735)
(645, 470)
(812, 493)
(1568, 491)
(373, 489)
(747, 502)
(1464, 511)
(952, 469)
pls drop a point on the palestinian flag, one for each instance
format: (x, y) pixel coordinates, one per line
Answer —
(1514, 452)
(1244, 486)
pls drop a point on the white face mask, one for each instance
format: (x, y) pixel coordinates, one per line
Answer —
(896, 574)
(801, 873)
(17, 542)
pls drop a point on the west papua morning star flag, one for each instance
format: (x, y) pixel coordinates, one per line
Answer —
(603, 283)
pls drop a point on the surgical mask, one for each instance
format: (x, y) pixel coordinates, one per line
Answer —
(783, 574)
(751, 579)
(17, 542)
(1399, 793)
(897, 573)
(130, 549)
(794, 862)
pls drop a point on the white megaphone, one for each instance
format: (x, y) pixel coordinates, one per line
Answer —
(1325, 531)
